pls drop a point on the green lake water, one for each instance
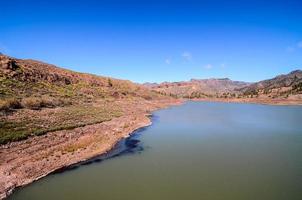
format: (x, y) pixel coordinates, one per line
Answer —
(196, 151)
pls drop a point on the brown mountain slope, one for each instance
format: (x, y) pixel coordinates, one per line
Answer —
(281, 86)
(199, 88)
(287, 86)
(25, 78)
(27, 86)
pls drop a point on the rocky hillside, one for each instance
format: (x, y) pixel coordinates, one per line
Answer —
(287, 86)
(281, 86)
(199, 88)
(37, 98)
(24, 79)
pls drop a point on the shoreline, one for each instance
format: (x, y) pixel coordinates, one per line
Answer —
(260, 101)
(65, 167)
(119, 148)
(27, 161)
(102, 156)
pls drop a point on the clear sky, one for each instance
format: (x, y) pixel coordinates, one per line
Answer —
(157, 41)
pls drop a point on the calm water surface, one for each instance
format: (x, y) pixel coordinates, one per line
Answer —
(200, 150)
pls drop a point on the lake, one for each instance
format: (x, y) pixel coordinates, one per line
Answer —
(199, 150)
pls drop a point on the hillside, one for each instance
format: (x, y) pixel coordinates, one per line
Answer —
(280, 86)
(199, 88)
(77, 99)
(29, 78)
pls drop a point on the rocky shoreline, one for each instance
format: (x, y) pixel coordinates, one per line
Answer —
(29, 160)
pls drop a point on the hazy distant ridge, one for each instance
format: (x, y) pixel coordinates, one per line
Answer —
(279, 86)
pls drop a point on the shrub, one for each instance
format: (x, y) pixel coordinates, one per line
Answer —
(14, 103)
(110, 84)
(3, 106)
(48, 102)
(34, 103)
(7, 104)
(51, 102)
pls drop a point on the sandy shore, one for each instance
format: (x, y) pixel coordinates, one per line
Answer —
(29, 160)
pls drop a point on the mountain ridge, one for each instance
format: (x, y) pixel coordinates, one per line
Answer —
(197, 88)
(227, 88)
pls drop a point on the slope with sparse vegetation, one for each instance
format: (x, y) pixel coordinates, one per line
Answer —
(282, 89)
(199, 88)
(282, 86)
(72, 99)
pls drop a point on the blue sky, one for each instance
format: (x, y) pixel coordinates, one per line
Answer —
(155, 41)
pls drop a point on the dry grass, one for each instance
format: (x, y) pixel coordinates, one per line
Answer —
(37, 86)
(31, 103)
(36, 103)
(27, 123)
(11, 103)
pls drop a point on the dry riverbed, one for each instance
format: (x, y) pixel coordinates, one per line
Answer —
(28, 160)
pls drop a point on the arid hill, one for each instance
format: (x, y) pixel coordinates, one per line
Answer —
(28, 78)
(199, 88)
(28, 86)
(281, 86)
(287, 86)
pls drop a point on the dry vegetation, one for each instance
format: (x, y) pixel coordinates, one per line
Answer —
(26, 122)
(36, 98)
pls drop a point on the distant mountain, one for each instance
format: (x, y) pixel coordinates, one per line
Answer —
(280, 86)
(150, 85)
(199, 88)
